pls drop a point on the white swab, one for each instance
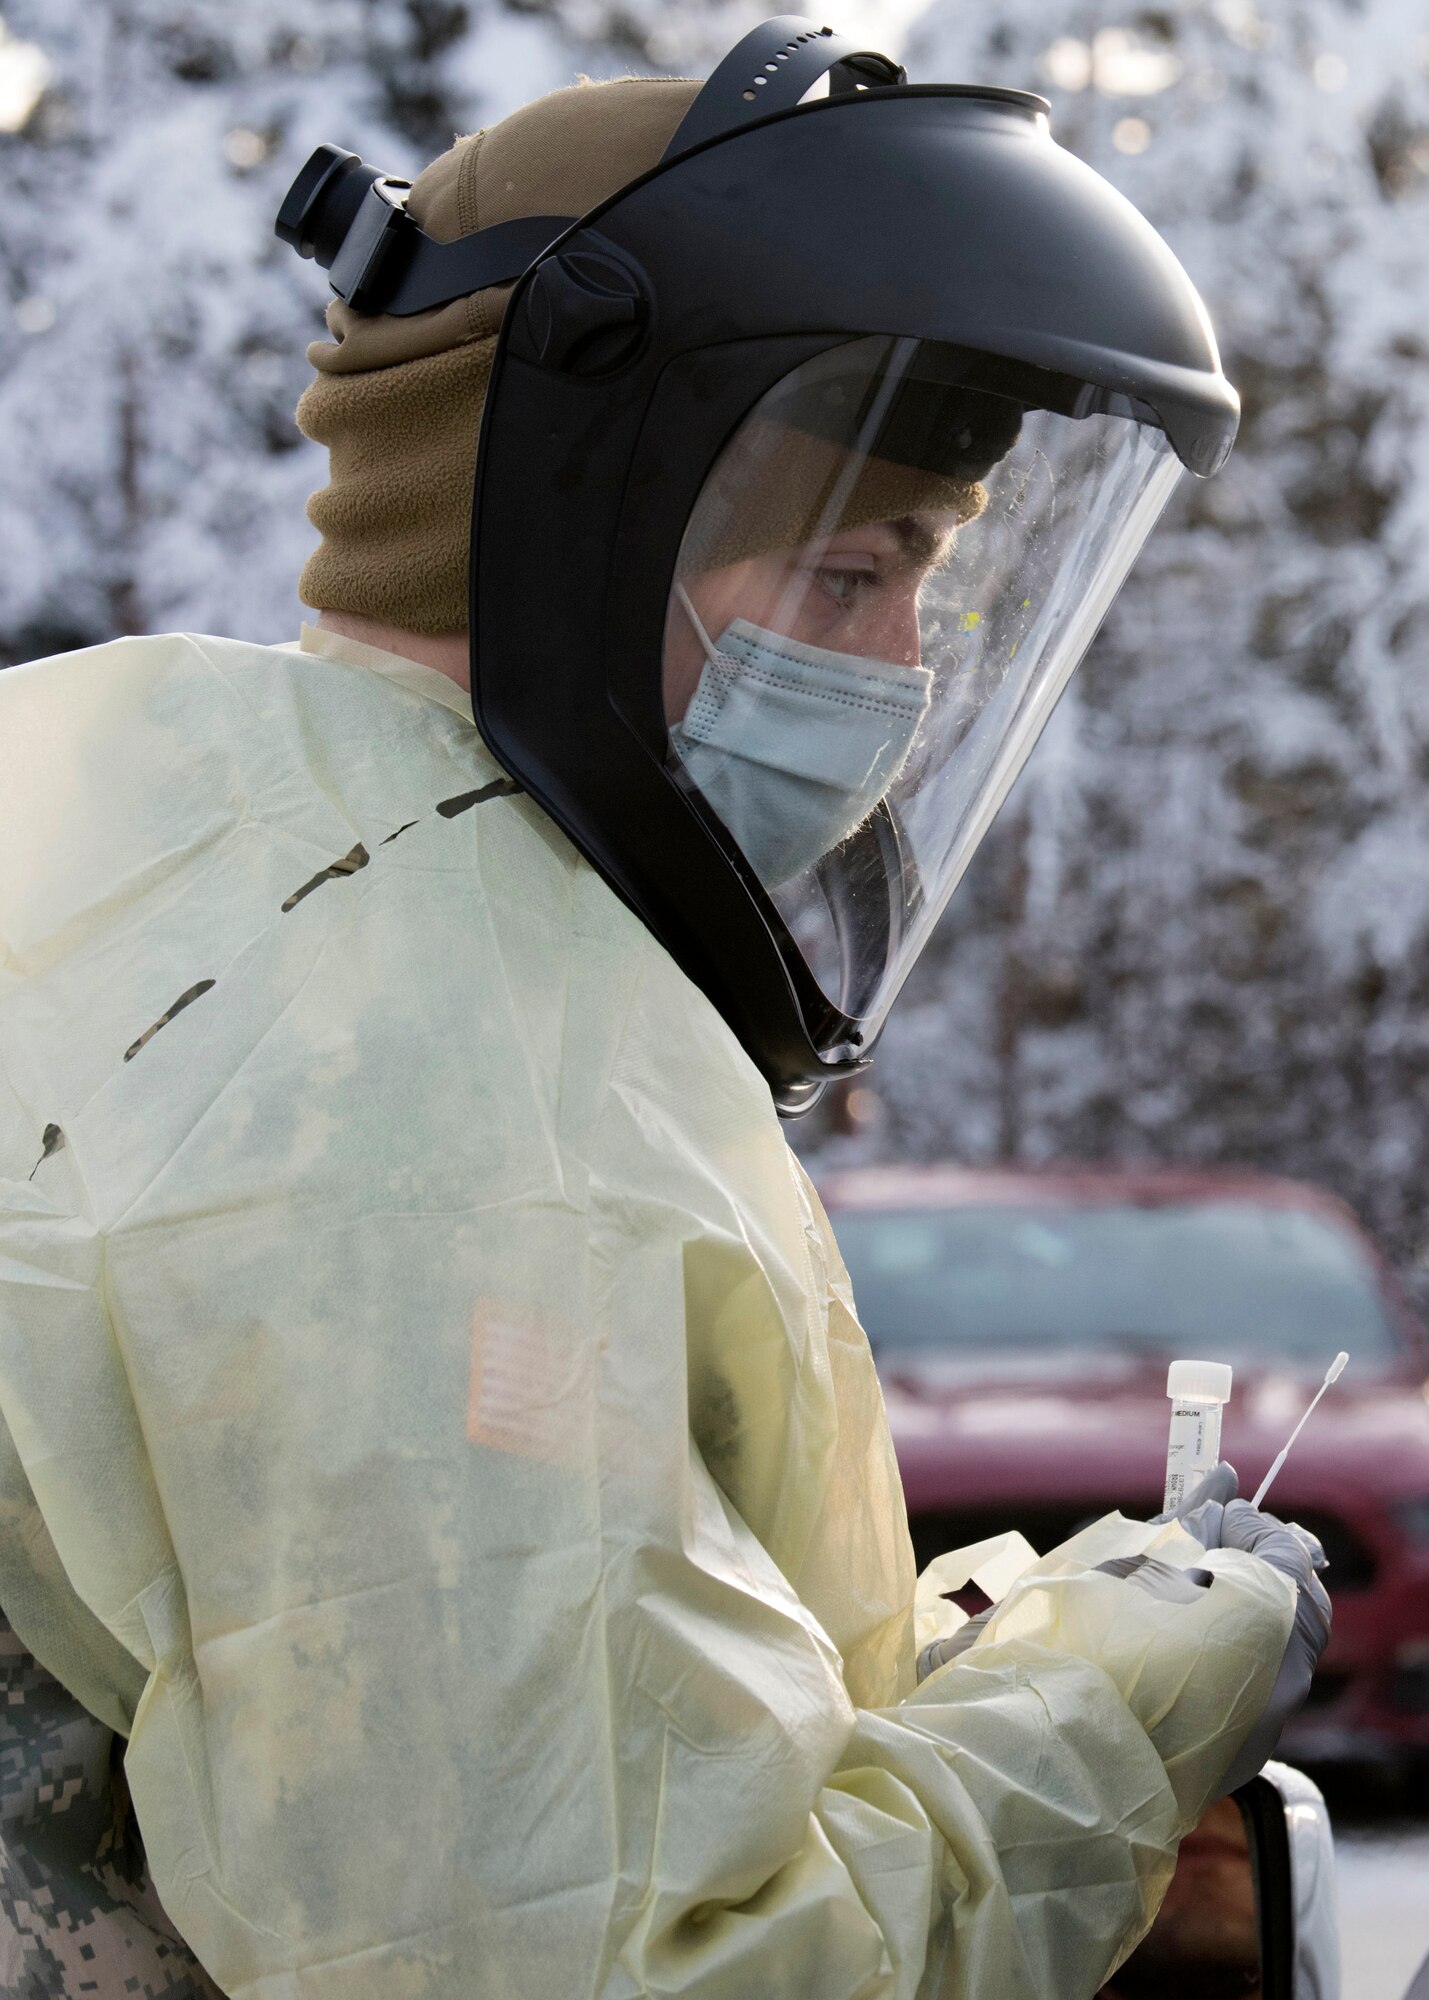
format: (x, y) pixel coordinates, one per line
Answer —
(1332, 1374)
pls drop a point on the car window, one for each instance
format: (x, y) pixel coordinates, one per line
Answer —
(1266, 1283)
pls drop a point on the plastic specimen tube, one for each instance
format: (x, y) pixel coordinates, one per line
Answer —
(1199, 1392)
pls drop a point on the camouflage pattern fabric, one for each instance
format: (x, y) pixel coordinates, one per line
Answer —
(78, 1913)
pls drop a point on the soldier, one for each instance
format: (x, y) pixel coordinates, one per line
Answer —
(436, 1429)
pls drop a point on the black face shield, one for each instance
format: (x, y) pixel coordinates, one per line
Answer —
(809, 465)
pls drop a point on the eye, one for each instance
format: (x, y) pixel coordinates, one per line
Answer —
(843, 585)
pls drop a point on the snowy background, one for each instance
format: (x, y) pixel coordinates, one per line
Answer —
(1201, 930)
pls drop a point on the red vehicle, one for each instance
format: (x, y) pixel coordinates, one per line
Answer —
(1023, 1322)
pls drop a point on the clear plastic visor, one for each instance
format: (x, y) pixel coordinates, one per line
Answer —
(885, 585)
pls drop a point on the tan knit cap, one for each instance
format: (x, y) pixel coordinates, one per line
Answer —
(774, 487)
(397, 401)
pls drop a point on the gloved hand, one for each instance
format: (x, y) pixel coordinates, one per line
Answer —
(1202, 1513)
(1161, 1579)
(1218, 1520)
(1200, 1516)
(1235, 1524)
(938, 1652)
(1292, 1551)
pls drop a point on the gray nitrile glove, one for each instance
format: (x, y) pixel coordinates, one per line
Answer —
(938, 1652)
(1216, 1519)
(1203, 1512)
(1292, 1552)
(1200, 1512)
(1161, 1579)
(1200, 1515)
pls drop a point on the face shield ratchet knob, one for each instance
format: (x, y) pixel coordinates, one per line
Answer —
(586, 312)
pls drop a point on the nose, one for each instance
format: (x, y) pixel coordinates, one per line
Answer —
(889, 629)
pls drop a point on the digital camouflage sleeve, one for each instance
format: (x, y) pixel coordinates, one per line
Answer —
(78, 1914)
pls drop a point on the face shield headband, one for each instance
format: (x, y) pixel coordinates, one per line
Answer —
(768, 611)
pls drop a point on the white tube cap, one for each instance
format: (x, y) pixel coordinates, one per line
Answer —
(1199, 1381)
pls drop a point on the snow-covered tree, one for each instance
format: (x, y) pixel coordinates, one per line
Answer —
(1202, 931)
(152, 329)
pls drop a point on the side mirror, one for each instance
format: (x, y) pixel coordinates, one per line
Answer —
(1251, 1912)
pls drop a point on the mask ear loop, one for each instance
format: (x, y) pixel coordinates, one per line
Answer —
(712, 652)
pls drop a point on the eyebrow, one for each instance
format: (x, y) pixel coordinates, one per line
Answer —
(919, 543)
(919, 546)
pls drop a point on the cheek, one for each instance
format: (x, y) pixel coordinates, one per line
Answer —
(743, 590)
(887, 629)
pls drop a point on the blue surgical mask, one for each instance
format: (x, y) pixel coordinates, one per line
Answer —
(794, 746)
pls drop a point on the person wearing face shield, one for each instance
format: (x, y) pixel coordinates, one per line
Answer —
(795, 724)
(440, 1458)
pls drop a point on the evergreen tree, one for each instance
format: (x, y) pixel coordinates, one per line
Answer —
(152, 328)
(1201, 931)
